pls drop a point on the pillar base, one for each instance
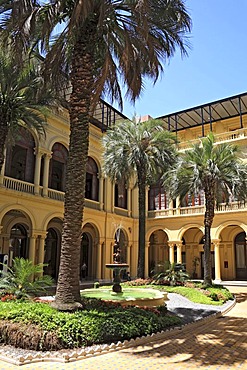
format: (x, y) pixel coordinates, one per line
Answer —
(217, 281)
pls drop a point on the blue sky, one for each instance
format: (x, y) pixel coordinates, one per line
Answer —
(215, 68)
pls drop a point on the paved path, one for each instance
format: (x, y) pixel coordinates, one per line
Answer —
(217, 344)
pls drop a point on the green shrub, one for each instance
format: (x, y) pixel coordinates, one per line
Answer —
(170, 274)
(99, 322)
(21, 280)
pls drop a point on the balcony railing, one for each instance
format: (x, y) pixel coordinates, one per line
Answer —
(18, 185)
(230, 136)
(56, 195)
(196, 210)
(26, 187)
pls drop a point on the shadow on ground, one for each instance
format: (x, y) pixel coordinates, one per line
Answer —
(222, 341)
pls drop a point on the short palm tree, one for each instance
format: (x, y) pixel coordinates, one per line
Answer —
(101, 44)
(22, 102)
(216, 169)
(20, 280)
(142, 150)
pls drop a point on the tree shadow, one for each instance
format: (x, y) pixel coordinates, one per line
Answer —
(217, 342)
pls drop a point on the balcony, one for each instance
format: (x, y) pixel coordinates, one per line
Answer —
(29, 188)
(232, 137)
(197, 210)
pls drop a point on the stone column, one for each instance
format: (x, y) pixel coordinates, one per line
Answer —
(129, 201)
(171, 252)
(37, 171)
(101, 192)
(99, 260)
(32, 245)
(113, 197)
(147, 189)
(217, 260)
(171, 207)
(41, 253)
(178, 205)
(3, 169)
(47, 158)
(146, 259)
(179, 252)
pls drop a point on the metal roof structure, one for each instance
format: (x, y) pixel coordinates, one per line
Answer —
(106, 116)
(234, 106)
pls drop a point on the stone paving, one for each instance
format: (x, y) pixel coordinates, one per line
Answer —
(219, 343)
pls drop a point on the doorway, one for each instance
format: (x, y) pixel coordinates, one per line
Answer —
(241, 256)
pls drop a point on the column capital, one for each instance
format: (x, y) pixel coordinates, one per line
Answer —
(38, 152)
(216, 242)
(172, 243)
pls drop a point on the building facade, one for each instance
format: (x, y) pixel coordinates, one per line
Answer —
(32, 192)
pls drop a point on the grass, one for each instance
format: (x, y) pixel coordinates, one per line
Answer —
(195, 292)
(106, 294)
(211, 296)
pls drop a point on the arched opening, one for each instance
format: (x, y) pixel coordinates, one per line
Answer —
(241, 256)
(18, 242)
(158, 250)
(92, 181)
(120, 195)
(86, 251)
(52, 248)
(122, 241)
(58, 165)
(20, 157)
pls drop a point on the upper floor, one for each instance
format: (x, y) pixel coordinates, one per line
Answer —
(36, 167)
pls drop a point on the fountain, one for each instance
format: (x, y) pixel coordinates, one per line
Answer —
(117, 266)
(129, 296)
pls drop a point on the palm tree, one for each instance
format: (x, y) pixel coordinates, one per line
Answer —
(142, 150)
(22, 103)
(100, 44)
(218, 171)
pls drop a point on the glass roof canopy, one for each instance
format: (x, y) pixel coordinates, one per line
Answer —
(207, 113)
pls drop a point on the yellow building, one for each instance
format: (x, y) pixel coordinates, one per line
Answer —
(32, 193)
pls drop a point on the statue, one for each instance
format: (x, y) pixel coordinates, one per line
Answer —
(116, 254)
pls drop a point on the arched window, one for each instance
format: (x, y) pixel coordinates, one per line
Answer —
(51, 249)
(58, 167)
(20, 157)
(92, 181)
(121, 195)
(241, 256)
(18, 241)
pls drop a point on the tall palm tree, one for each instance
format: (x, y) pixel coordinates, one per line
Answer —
(219, 172)
(22, 102)
(101, 43)
(143, 150)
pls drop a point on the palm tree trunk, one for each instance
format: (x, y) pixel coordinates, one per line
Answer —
(142, 221)
(208, 220)
(3, 138)
(68, 290)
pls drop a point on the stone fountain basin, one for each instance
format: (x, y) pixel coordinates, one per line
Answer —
(130, 296)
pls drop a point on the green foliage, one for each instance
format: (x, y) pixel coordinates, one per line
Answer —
(214, 296)
(98, 322)
(171, 273)
(20, 280)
